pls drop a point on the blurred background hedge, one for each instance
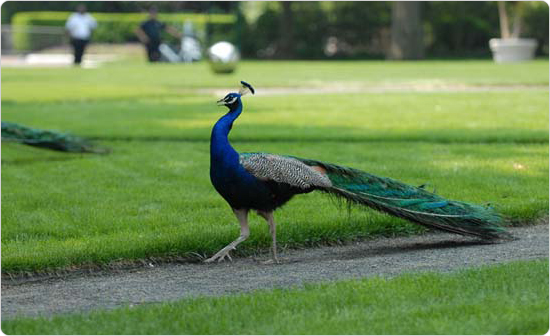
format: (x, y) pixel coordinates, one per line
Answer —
(111, 27)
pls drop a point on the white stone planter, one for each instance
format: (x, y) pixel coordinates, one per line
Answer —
(512, 49)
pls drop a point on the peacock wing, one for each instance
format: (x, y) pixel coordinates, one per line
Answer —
(283, 169)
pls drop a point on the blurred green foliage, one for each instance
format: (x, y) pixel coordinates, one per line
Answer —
(309, 25)
(349, 24)
(360, 29)
(459, 27)
(462, 28)
(536, 24)
(355, 25)
(320, 29)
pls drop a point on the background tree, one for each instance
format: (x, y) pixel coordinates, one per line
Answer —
(407, 36)
(286, 39)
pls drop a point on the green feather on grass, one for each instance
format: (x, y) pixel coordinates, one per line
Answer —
(48, 139)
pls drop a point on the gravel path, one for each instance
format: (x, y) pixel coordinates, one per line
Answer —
(385, 257)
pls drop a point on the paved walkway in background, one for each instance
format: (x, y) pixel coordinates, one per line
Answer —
(381, 257)
(351, 87)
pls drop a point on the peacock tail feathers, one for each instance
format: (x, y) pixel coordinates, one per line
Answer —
(48, 139)
(412, 203)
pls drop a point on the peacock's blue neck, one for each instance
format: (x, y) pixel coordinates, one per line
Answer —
(221, 152)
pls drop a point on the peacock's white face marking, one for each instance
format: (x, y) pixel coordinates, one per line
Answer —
(233, 97)
(229, 100)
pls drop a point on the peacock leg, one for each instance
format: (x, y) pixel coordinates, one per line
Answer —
(268, 216)
(242, 216)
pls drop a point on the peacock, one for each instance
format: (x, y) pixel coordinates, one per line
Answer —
(264, 182)
(64, 142)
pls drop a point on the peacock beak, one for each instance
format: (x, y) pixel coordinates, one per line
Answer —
(220, 102)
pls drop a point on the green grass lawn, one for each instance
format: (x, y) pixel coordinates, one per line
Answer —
(155, 198)
(506, 299)
(152, 196)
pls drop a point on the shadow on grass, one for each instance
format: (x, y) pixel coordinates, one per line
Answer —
(292, 134)
(412, 247)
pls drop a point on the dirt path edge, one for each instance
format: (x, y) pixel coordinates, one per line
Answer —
(385, 257)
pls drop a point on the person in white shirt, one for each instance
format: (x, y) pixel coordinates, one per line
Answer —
(79, 27)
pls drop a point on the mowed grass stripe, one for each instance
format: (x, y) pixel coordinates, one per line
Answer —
(505, 299)
(150, 199)
(469, 117)
(138, 79)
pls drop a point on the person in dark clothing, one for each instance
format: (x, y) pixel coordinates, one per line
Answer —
(149, 33)
(152, 28)
(78, 47)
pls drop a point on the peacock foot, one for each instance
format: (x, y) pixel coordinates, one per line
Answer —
(220, 256)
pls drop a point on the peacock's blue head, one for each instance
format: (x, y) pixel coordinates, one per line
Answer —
(233, 99)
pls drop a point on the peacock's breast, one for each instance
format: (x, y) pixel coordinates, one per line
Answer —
(241, 190)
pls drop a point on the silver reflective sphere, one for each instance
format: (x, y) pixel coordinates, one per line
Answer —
(223, 57)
